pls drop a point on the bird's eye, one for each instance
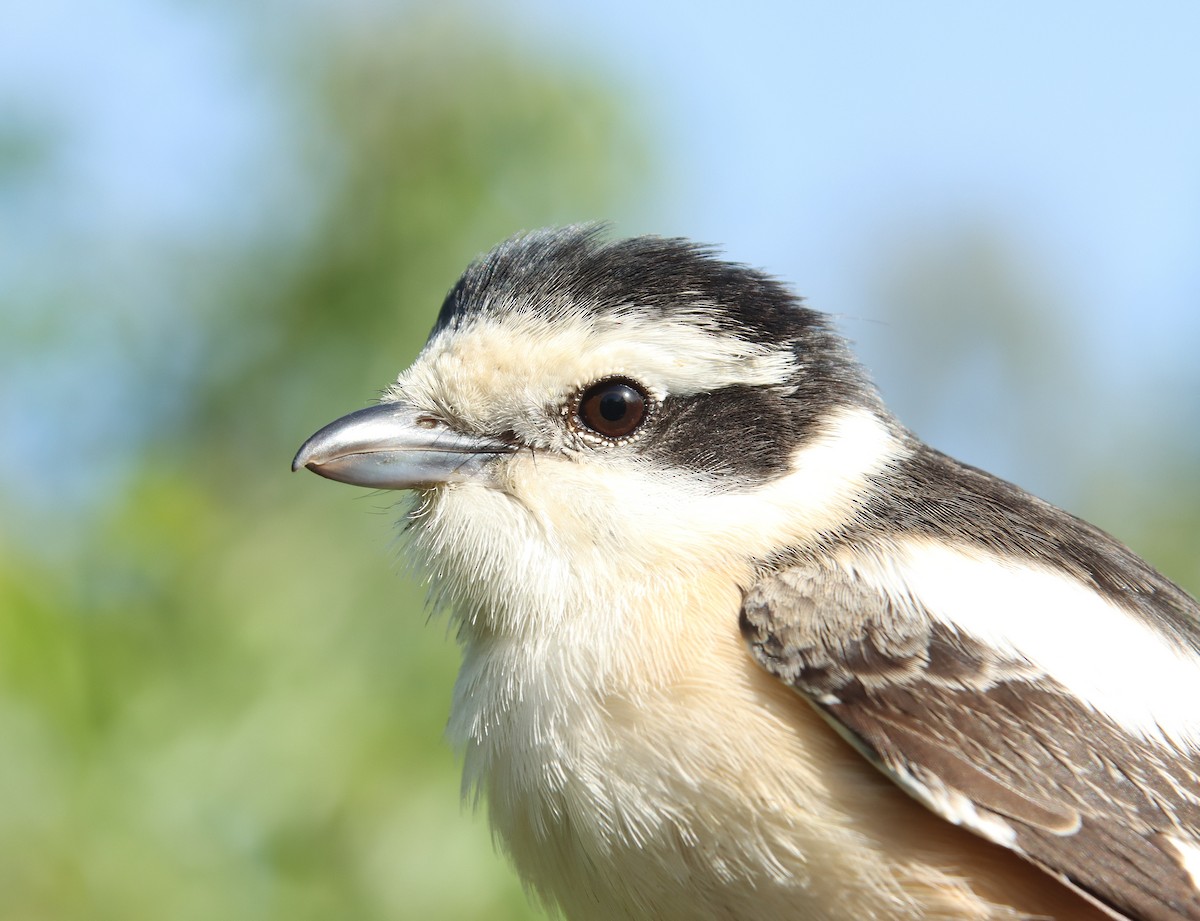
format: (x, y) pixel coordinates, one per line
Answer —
(612, 408)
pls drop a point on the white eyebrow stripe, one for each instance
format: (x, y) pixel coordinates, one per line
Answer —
(673, 355)
(1098, 651)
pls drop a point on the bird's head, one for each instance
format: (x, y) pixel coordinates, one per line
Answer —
(591, 413)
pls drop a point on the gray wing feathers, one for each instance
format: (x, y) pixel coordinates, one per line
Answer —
(952, 721)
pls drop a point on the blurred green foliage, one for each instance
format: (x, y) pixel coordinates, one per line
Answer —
(219, 697)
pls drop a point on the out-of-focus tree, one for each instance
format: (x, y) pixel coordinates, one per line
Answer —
(218, 694)
(222, 700)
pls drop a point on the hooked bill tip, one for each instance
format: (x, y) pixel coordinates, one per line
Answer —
(395, 446)
(303, 457)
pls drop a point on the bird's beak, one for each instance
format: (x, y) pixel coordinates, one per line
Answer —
(394, 446)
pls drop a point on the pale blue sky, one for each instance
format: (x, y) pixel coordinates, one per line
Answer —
(803, 130)
(802, 137)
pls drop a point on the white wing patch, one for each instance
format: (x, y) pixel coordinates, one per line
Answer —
(1189, 857)
(1097, 650)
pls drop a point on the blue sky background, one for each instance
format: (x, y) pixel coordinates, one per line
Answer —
(218, 691)
(814, 140)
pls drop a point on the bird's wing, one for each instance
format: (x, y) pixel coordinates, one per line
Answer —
(988, 741)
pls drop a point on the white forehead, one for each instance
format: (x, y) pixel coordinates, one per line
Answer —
(493, 367)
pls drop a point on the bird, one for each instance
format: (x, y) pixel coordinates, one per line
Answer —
(737, 644)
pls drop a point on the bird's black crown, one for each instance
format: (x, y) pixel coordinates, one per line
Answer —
(574, 270)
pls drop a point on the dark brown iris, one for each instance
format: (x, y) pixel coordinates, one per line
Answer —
(612, 408)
